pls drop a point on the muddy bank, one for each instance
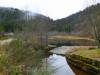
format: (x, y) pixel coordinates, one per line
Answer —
(78, 42)
(86, 64)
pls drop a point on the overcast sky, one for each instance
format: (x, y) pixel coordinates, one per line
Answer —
(55, 9)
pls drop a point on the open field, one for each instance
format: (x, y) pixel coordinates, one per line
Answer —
(89, 53)
(71, 40)
(70, 37)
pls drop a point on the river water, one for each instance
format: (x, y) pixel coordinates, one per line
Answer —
(60, 66)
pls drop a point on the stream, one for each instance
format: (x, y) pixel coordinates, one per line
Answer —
(60, 66)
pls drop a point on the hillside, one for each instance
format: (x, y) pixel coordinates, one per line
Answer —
(12, 19)
(81, 22)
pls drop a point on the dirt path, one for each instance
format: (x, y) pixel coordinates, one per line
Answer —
(4, 42)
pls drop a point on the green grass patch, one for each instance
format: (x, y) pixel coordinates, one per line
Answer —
(2, 47)
(89, 53)
(3, 37)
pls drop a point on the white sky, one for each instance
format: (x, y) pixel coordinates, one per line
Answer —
(55, 9)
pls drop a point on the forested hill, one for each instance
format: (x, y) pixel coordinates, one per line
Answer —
(81, 22)
(12, 19)
(9, 18)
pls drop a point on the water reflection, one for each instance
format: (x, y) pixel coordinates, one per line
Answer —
(61, 67)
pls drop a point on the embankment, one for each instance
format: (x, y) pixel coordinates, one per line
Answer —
(86, 64)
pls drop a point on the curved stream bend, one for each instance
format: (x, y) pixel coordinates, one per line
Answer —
(60, 65)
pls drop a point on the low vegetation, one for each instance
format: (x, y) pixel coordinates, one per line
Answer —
(89, 53)
(70, 40)
(23, 56)
(3, 37)
(70, 37)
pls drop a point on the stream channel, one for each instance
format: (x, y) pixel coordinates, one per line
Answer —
(59, 64)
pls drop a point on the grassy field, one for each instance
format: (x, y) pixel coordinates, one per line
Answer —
(3, 37)
(70, 37)
(89, 53)
(73, 40)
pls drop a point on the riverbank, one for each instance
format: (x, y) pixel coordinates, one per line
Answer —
(68, 49)
(70, 40)
(61, 51)
(85, 59)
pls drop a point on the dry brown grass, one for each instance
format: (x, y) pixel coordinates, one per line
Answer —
(70, 37)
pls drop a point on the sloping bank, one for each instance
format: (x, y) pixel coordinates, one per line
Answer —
(86, 60)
